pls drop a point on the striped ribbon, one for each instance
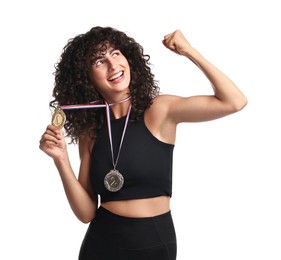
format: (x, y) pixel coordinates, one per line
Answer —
(92, 104)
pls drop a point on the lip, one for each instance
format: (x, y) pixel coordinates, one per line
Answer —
(116, 77)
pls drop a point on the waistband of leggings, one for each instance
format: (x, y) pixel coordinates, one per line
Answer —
(110, 215)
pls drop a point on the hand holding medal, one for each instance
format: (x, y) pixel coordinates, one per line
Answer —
(113, 180)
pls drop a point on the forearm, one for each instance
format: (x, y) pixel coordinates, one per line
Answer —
(224, 88)
(81, 203)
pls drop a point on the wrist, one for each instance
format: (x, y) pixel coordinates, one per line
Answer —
(61, 159)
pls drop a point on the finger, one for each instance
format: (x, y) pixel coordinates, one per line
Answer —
(50, 137)
(170, 43)
(56, 134)
(167, 38)
(53, 129)
(48, 147)
(47, 144)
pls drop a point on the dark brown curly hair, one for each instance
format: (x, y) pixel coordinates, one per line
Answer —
(73, 84)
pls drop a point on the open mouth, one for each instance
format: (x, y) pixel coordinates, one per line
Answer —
(116, 76)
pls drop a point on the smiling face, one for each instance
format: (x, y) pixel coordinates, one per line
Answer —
(110, 74)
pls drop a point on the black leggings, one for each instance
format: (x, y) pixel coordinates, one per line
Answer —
(114, 237)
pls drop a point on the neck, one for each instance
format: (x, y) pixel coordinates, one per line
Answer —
(119, 108)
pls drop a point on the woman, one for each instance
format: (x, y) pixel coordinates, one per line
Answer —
(126, 140)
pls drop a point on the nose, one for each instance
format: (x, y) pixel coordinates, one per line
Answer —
(112, 64)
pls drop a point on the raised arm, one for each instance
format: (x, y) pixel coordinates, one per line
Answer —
(227, 98)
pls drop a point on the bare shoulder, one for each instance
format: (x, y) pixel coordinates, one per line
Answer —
(163, 98)
(164, 102)
(162, 106)
(158, 120)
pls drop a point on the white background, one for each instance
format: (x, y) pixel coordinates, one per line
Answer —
(227, 196)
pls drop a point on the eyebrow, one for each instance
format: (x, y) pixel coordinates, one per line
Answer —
(101, 56)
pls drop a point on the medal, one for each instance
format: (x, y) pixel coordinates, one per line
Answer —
(113, 181)
(58, 118)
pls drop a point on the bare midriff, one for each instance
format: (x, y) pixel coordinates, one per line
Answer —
(139, 208)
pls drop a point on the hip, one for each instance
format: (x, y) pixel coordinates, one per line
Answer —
(110, 235)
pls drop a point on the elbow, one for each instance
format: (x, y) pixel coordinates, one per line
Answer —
(86, 217)
(85, 220)
(239, 104)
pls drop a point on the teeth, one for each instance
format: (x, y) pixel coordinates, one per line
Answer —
(116, 76)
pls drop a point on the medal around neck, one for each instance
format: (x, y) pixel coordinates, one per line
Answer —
(113, 181)
(58, 118)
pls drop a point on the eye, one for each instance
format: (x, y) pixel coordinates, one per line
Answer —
(97, 62)
(115, 53)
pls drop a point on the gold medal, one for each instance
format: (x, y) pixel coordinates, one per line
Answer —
(58, 118)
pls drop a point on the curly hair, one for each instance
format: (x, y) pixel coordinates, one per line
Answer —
(73, 84)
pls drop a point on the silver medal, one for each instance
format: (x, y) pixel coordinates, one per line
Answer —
(113, 181)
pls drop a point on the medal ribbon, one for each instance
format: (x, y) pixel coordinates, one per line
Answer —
(107, 106)
(114, 163)
(92, 105)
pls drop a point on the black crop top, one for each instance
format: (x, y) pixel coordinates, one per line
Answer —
(145, 162)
